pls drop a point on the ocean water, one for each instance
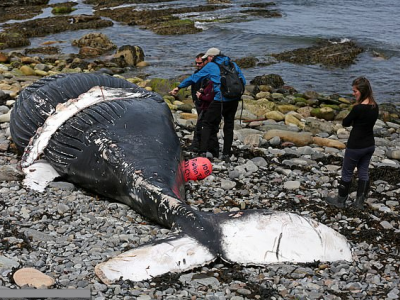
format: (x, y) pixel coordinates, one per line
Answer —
(374, 25)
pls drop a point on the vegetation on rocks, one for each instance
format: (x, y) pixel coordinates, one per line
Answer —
(62, 10)
(327, 53)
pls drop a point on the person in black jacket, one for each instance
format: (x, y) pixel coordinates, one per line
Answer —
(200, 62)
(360, 145)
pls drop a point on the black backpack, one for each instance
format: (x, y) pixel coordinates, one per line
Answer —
(232, 86)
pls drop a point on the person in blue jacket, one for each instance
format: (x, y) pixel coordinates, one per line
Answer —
(219, 108)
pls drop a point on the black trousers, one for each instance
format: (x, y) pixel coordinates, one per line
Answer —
(198, 128)
(215, 112)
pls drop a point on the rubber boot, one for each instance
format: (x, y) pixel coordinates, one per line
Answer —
(362, 194)
(343, 194)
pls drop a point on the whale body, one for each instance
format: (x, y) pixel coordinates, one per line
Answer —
(118, 140)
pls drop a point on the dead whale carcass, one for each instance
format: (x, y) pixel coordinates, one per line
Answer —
(121, 143)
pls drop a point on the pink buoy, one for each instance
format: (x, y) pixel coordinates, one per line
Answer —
(197, 168)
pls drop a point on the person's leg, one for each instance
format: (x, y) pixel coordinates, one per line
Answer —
(197, 132)
(228, 112)
(363, 163)
(350, 160)
(211, 120)
(363, 177)
(213, 145)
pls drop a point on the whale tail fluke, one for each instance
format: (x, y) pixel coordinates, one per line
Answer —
(259, 237)
(251, 237)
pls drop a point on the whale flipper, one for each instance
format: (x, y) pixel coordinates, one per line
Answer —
(174, 255)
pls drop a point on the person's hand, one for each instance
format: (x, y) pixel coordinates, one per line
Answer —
(198, 94)
(174, 91)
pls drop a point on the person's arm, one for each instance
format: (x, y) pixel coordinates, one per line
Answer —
(195, 77)
(348, 120)
(208, 94)
(240, 73)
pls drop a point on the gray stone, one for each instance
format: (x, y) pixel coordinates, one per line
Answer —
(7, 263)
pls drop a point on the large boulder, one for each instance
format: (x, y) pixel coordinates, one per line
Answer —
(94, 44)
(273, 80)
(129, 55)
(327, 53)
(325, 113)
(316, 126)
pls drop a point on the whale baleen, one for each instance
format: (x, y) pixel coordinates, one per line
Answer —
(118, 140)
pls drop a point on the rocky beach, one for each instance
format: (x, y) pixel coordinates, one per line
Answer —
(288, 151)
(287, 155)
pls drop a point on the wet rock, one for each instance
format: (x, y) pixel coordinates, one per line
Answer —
(246, 62)
(93, 44)
(38, 27)
(49, 50)
(129, 55)
(13, 40)
(327, 53)
(160, 21)
(325, 113)
(273, 80)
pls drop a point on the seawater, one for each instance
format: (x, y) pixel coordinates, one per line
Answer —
(373, 25)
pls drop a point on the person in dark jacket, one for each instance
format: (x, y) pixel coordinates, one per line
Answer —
(360, 145)
(200, 62)
(220, 107)
(206, 96)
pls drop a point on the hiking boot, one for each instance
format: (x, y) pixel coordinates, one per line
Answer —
(226, 158)
(343, 194)
(362, 194)
(193, 149)
(209, 155)
(338, 201)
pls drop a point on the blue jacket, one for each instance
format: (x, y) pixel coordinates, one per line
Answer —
(211, 71)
